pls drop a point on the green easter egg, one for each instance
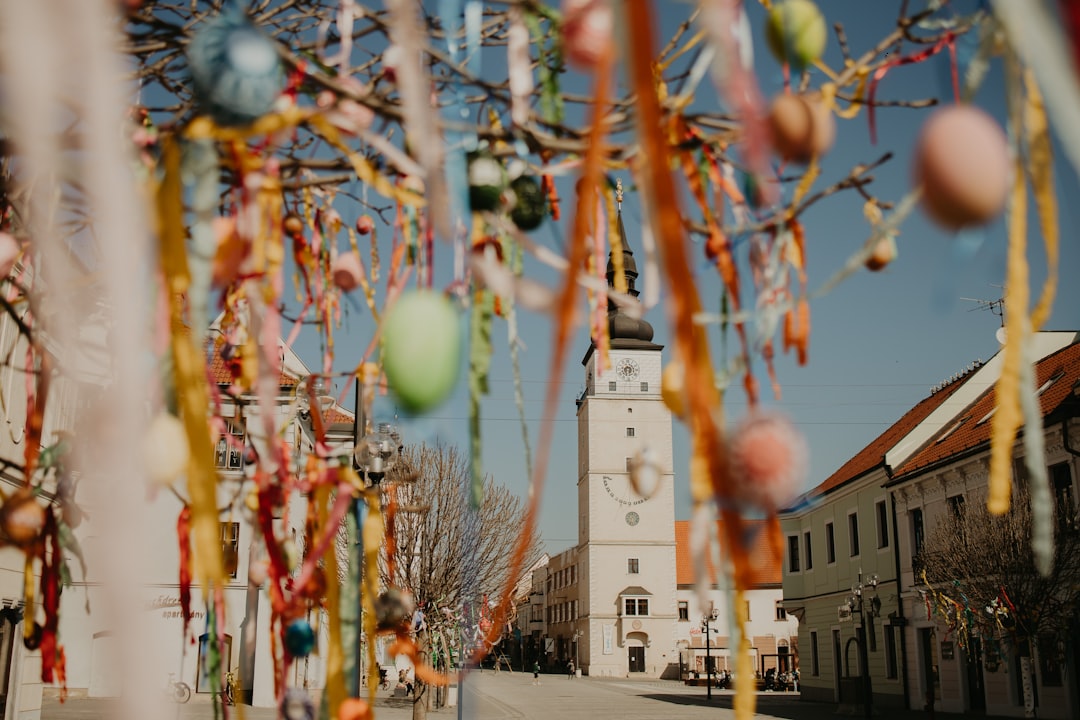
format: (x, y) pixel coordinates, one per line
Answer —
(487, 180)
(796, 32)
(530, 206)
(421, 338)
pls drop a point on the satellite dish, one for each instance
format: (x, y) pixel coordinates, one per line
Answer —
(1000, 335)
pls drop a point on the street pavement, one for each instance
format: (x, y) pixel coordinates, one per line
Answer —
(512, 696)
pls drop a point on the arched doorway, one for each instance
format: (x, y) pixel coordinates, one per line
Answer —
(636, 645)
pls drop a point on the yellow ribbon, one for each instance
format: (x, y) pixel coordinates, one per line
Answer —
(335, 656)
(190, 375)
(1040, 170)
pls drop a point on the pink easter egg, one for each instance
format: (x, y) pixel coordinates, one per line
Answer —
(347, 271)
(365, 225)
(768, 460)
(587, 30)
(962, 164)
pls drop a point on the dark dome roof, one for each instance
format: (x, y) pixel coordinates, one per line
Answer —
(620, 325)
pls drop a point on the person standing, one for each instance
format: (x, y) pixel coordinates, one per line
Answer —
(536, 672)
(570, 669)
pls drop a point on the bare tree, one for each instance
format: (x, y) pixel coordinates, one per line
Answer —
(981, 578)
(450, 556)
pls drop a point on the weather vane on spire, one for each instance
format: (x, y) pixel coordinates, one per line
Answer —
(618, 193)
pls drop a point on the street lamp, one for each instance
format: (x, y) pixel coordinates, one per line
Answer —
(577, 664)
(710, 617)
(855, 604)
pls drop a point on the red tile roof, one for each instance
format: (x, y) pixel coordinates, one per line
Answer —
(873, 454)
(972, 427)
(219, 370)
(337, 415)
(769, 570)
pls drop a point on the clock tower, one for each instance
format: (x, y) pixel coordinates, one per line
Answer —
(626, 540)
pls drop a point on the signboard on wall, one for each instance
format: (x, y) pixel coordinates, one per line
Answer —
(948, 651)
(609, 633)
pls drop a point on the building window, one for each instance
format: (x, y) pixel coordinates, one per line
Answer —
(230, 546)
(793, 553)
(882, 524)
(956, 505)
(632, 566)
(815, 669)
(890, 652)
(644, 387)
(853, 532)
(809, 553)
(229, 454)
(1065, 508)
(611, 386)
(629, 463)
(635, 606)
(629, 432)
(830, 544)
(781, 613)
(918, 533)
(684, 610)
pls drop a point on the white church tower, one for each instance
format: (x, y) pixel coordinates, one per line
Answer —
(625, 610)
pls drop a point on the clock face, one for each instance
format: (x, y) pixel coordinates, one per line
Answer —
(627, 369)
(632, 518)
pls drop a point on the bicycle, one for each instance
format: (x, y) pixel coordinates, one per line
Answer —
(177, 690)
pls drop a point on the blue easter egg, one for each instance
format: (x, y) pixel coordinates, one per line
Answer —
(299, 638)
(235, 69)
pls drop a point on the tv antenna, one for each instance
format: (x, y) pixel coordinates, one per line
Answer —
(995, 306)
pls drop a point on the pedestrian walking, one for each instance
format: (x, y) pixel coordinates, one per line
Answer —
(570, 669)
(536, 672)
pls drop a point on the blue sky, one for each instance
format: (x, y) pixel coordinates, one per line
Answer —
(879, 342)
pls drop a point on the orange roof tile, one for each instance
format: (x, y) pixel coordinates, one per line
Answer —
(874, 454)
(336, 415)
(768, 568)
(1059, 372)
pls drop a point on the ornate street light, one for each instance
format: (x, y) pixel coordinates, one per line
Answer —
(707, 618)
(855, 604)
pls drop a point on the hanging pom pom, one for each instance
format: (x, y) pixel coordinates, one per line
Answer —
(394, 609)
(529, 203)
(235, 69)
(796, 32)
(22, 518)
(165, 449)
(768, 459)
(962, 164)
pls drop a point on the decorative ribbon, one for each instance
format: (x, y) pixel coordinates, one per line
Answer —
(947, 41)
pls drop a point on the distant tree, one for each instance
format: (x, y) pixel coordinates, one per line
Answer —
(449, 556)
(981, 578)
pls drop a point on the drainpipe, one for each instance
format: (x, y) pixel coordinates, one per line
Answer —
(899, 598)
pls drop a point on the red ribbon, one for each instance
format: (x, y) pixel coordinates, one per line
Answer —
(51, 655)
(948, 41)
(1070, 14)
(183, 534)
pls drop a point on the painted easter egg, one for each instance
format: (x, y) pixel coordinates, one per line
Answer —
(299, 638)
(587, 30)
(421, 349)
(22, 518)
(796, 32)
(530, 205)
(962, 164)
(235, 69)
(487, 180)
(33, 640)
(165, 449)
(802, 127)
(353, 709)
(673, 388)
(884, 252)
(347, 271)
(394, 609)
(768, 459)
(365, 225)
(293, 225)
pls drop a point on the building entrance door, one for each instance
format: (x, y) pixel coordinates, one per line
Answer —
(976, 688)
(637, 659)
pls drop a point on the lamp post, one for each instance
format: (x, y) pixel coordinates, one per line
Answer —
(577, 664)
(705, 620)
(855, 603)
